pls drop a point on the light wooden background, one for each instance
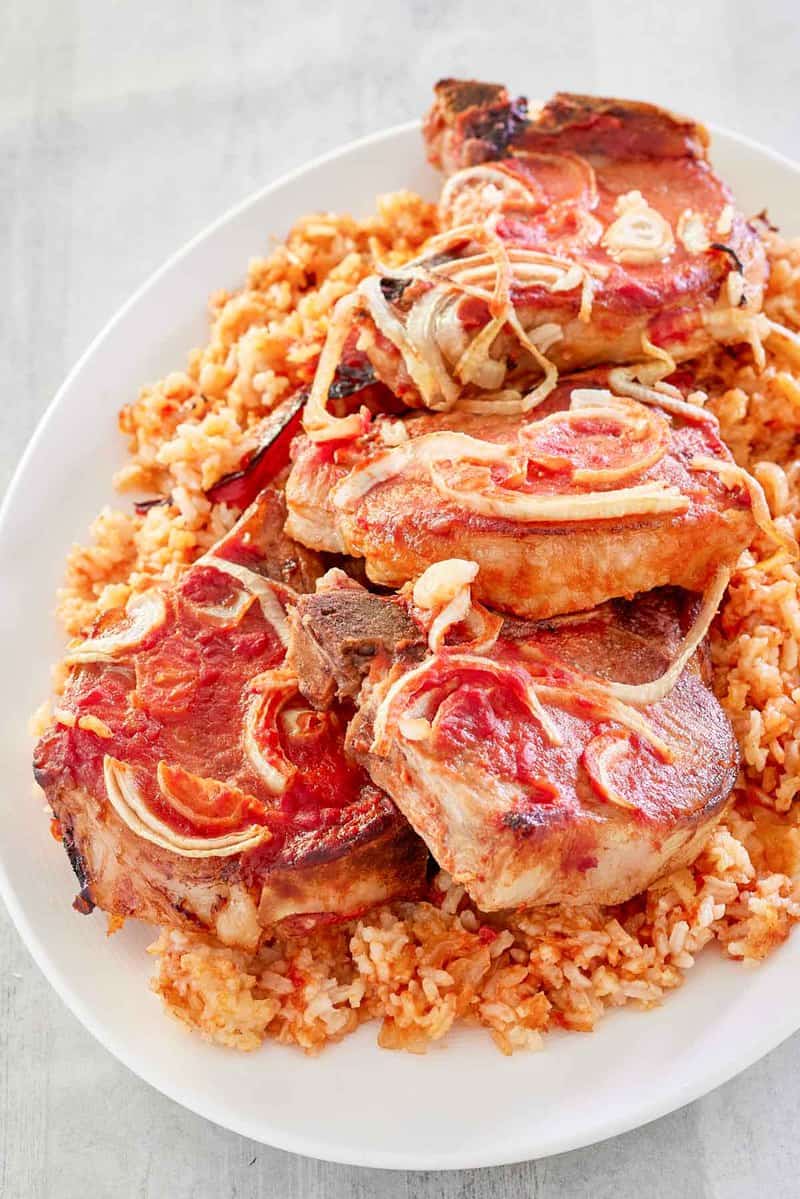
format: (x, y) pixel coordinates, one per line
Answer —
(126, 126)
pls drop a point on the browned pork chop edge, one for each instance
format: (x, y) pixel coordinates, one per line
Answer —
(472, 122)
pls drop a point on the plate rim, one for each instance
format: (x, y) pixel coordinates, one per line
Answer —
(768, 1036)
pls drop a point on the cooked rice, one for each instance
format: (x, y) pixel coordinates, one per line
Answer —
(419, 967)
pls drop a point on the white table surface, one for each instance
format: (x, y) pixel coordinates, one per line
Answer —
(125, 127)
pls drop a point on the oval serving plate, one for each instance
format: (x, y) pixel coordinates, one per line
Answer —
(463, 1104)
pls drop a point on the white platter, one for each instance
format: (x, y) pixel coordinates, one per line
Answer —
(463, 1104)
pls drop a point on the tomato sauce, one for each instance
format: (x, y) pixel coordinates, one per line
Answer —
(176, 708)
(482, 725)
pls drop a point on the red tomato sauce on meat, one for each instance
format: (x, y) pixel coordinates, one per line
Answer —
(181, 698)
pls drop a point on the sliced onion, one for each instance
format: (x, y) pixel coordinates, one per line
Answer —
(495, 248)
(601, 755)
(421, 331)
(740, 325)
(414, 728)
(433, 386)
(652, 498)
(477, 176)
(270, 691)
(302, 724)
(420, 451)
(545, 336)
(446, 587)
(640, 235)
(318, 422)
(266, 592)
(174, 781)
(145, 613)
(223, 616)
(643, 694)
(731, 476)
(455, 662)
(725, 221)
(476, 364)
(607, 706)
(127, 800)
(692, 233)
(484, 628)
(506, 402)
(453, 613)
(642, 382)
(432, 448)
(442, 582)
(387, 464)
(648, 433)
(542, 390)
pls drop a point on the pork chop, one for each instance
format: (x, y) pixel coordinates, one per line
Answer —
(593, 232)
(588, 498)
(190, 781)
(621, 190)
(547, 762)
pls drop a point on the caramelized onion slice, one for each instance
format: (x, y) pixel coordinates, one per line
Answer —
(203, 799)
(144, 613)
(453, 613)
(642, 382)
(442, 582)
(600, 756)
(427, 372)
(513, 191)
(270, 692)
(428, 451)
(626, 438)
(640, 235)
(643, 694)
(318, 422)
(692, 233)
(126, 798)
(444, 589)
(588, 692)
(654, 498)
(451, 664)
(223, 616)
(732, 325)
(731, 476)
(420, 451)
(268, 593)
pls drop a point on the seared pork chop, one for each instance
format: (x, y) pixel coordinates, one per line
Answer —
(192, 784)
(594, 232)
(541, 762)
(588, 498)
(622, 190)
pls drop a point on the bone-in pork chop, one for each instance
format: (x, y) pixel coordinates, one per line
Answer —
(192, 784)
(591, 496)
(593, 232)
(569, 761)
